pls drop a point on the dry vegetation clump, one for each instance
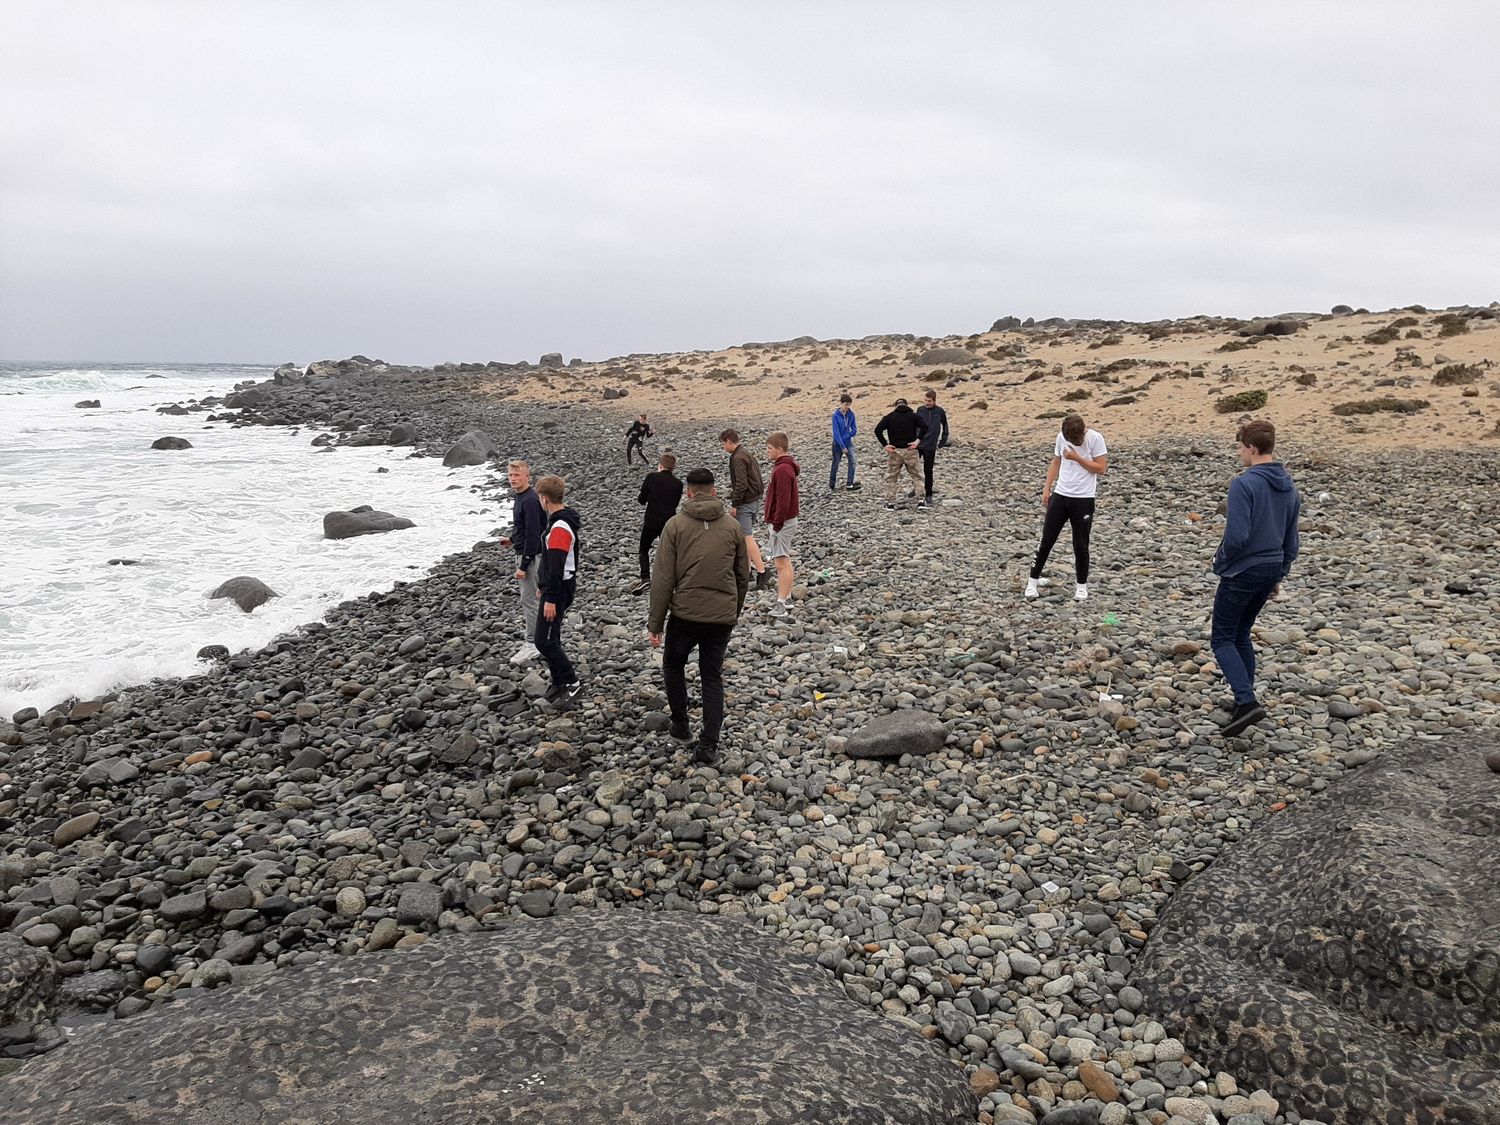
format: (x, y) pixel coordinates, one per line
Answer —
(1387, 405)
(1241, 403)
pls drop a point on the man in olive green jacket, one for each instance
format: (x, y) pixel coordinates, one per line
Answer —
(700, 578)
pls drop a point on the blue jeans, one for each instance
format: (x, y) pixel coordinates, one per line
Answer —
(840, 452)
(1237, 603)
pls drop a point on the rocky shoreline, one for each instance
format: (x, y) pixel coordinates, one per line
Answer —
(385, 776)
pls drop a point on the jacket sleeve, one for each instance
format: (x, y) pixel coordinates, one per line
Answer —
(528, 539)
(644, 497)
(549, 575)
(944, 415)
(1291, 544)
(880, 430)
(664, 577)
(772, 502)
(1236, 522)
(921, 428)
(737, 481)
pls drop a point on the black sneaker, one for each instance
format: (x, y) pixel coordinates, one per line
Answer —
(641, 587)
(1246, 715)
(763, 579)
(705, 753)
(889, 507)
(680, 732)
(855, 487)
(571, 690)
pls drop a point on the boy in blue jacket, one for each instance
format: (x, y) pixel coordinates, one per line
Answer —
(844, 429)
(1260, 544)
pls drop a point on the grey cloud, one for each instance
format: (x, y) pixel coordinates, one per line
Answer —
(462, 181)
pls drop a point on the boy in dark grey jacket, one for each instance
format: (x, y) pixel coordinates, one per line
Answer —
(935, 418)
(1260, 543)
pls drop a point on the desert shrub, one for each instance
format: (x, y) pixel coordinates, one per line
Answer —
(1307, 379)
(1451, 324)
(1241, 403)
(1385, 405)
(1403, 322)
(1118, 365)
(1413, 333)
(1382, 335)
(1457, 375)
(1237, 345)
(1078, 395)
(1108, 342)
(980, 405)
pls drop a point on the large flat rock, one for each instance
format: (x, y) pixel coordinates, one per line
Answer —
(1348, 956)
(609, 1016)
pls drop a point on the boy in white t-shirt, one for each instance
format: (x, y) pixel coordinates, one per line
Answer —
(1079, 459)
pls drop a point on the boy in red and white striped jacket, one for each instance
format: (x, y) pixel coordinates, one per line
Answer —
(557, 582)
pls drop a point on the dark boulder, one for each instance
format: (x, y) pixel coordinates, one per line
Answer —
(87, 404)
(900, 732)
(28, 982)
(1345, 956)
(253, 396)
(363, 520)
(401, 434)
(1006, 324)
(615, 1017)
(1280, 327)
(213, 652)
(171, 443)
(474, 448)
(949, 356)
(1341, 310)
(552, 360)
(245, 592)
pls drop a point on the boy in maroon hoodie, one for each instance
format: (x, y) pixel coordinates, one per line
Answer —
(781, 513)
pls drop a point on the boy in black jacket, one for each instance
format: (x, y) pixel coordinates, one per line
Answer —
(557, 582)
(661, 492)
(638, 432)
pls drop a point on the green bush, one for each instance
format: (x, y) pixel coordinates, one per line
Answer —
(1382, 335)
(1385, 405)
(1241, 403)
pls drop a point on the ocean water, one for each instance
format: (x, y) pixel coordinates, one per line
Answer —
(79, 487)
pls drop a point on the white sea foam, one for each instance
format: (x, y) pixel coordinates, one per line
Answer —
(79, 487)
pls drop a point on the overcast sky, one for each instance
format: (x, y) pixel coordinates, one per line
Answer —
(473, 181)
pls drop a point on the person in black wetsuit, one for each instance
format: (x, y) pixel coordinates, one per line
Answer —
(639, 431)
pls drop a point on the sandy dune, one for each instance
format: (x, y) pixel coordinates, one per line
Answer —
(1131, 381)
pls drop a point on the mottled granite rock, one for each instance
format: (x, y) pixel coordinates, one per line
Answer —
(611, 1016)
(1347, 957)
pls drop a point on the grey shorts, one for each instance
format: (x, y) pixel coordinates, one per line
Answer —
(781, 541)
(747, 514)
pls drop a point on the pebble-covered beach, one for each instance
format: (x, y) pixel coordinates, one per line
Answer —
(386, 775)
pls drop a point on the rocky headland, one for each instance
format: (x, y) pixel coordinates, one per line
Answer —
(384, 778)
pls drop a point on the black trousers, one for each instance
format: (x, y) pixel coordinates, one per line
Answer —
(928, 457)
(634, 446)
(711, 641)
(1075, 510)
(649, 535)
(549, 638)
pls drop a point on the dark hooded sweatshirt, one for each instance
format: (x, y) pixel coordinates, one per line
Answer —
(556, 577)
(1261, 527)
(900, 428)
(781, 494)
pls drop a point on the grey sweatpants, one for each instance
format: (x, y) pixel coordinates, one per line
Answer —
(529, 600)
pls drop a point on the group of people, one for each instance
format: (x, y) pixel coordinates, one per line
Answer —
(707, 555)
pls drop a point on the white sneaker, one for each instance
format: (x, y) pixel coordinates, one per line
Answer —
(1031, 588)
(526, 652)
(1081, 593)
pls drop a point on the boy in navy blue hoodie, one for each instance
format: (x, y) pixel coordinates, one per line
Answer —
(1260, 544)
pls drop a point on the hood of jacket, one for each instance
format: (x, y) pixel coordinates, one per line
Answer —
(704, 508)
(787, 459)
(1274, 475)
